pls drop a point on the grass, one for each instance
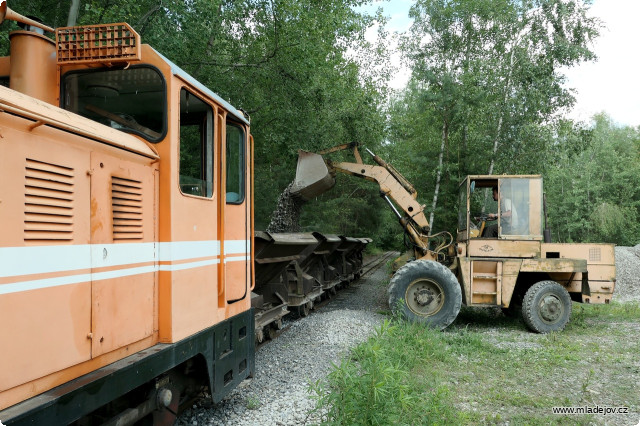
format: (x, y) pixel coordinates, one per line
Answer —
(253, 403)
(486, 368)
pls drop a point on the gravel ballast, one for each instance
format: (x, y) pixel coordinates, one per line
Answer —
(285, 367)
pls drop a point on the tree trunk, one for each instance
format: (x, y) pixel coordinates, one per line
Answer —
(496, 139)
(445, 136)
(73, 13)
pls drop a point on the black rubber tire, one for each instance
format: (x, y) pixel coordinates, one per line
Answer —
(546, 307)
(434, 293)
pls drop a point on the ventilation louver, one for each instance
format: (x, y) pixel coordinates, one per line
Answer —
(126, 205)
(48, 205)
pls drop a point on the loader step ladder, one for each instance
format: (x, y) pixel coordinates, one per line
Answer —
(486, 282)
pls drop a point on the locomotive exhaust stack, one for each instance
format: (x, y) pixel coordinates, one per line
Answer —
(32, 68)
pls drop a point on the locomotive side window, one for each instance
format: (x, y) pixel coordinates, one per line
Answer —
(196, 146)
(132, 100)
(235, 164)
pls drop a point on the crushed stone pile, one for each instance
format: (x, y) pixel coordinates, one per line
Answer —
(627, 274)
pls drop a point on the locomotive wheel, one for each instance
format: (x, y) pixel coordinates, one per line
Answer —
(427, 292)
(303, 310)
(546, 307)
(260, 335)
(272, 332)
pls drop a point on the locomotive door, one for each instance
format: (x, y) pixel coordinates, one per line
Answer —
(236, 248)
(122, 252)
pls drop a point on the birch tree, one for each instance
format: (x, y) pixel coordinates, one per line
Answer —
(490, 72)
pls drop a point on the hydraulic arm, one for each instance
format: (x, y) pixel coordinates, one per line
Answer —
(394, 188)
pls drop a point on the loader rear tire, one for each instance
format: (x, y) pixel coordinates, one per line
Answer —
(427, 292)
(546, 307)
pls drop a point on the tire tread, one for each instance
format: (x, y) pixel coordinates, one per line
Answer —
(431, 269)
(529, 313)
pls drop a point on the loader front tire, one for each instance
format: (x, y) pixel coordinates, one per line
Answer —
(427, 292)
(546, 307)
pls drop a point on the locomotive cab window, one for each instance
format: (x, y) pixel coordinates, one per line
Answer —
(235, 164)
(131, 100)
(196, 146)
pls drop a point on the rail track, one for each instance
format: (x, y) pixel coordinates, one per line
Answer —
(377, 261)
(371, 265)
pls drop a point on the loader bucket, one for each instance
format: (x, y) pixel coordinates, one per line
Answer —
(312, 176)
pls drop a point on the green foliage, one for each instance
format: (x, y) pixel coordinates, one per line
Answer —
(592, 184)
(253, 403)
(485, 85)
(610, 222)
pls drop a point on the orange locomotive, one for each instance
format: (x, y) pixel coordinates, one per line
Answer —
(126, 227)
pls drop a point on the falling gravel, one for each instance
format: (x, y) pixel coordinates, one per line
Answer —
(303, 354)
(286, 216)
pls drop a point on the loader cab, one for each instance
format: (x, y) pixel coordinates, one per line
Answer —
(518, 198)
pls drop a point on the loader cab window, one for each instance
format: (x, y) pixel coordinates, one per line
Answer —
(196, 146)
(131, 100)
(519, 201)
(525, 196)
(481, 203)
(235, 164)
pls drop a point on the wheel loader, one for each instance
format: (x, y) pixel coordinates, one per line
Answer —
(510, 263)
